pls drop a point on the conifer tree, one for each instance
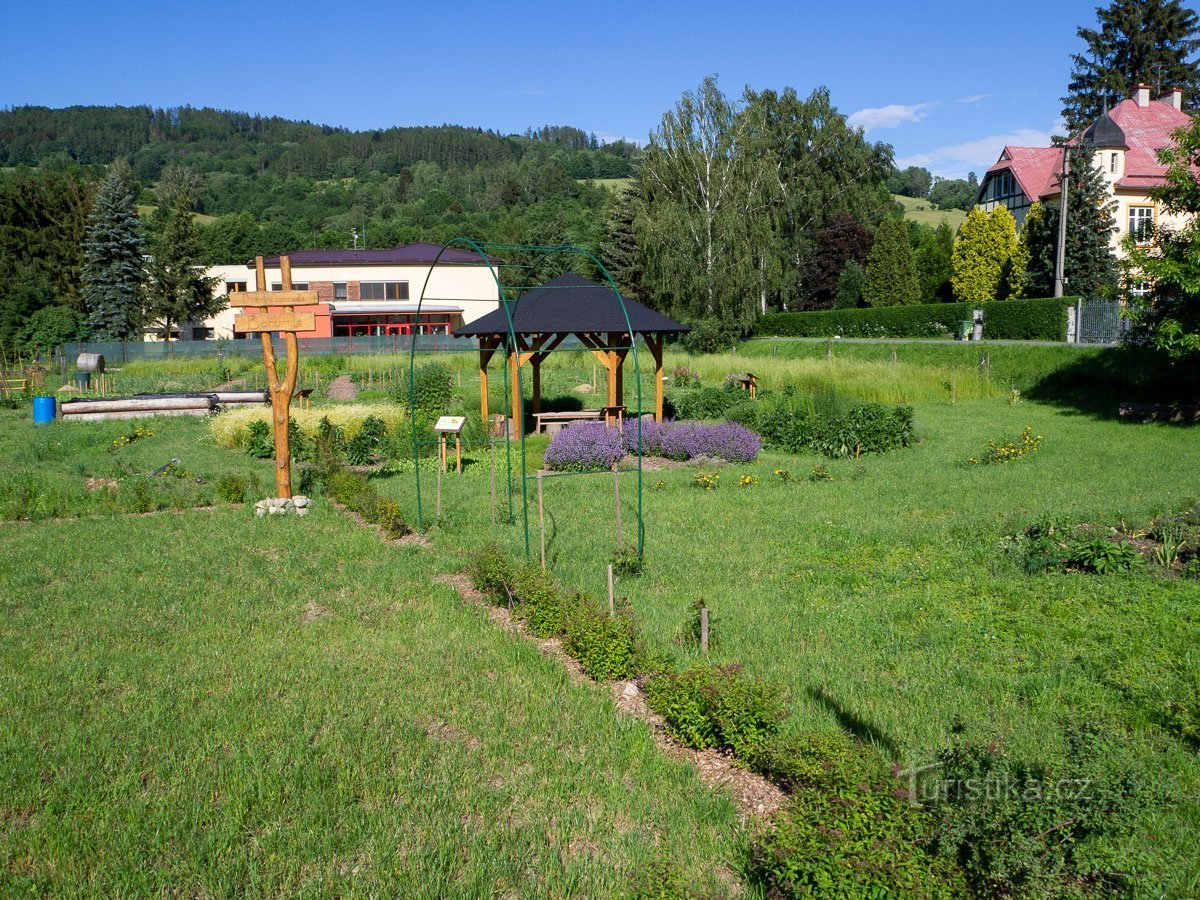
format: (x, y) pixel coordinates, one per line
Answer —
(1090, 269)
(621, 253)
(1137, 42)
(891, 276)
(983, 255)
(179, 291)
(851, 284)
(114, 266)
(933, 258)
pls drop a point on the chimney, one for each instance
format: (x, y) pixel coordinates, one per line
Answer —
(1142, 95)
(1174, 97)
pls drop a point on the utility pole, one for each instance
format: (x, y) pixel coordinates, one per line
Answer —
(1061, 256)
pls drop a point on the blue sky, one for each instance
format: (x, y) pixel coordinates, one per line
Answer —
(947, 84)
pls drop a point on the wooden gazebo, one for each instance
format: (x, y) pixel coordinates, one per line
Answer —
(570, 305)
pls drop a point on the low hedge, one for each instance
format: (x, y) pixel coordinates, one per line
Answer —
(1012, 320)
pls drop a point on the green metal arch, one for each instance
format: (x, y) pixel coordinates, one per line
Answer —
(509, 307)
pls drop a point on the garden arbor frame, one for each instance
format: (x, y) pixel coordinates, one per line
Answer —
(531, 322)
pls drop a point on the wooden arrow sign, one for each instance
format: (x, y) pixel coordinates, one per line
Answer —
(275, 298)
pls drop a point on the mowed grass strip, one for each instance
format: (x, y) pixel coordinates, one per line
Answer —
(208, 703)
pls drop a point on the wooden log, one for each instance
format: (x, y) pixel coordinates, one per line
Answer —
(226, 398)
(89, 362)
(145, 404)
(113, 416)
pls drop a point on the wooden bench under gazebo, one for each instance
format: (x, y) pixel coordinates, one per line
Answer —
(547, 315)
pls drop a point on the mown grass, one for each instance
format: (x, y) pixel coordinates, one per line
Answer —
(213, 704)
(883, 600)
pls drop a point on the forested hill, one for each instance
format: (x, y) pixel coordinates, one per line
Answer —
(211, 140)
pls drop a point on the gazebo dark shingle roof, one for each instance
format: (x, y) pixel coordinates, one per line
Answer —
(570, 304)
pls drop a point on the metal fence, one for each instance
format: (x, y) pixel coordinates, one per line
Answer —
(128, 351)
(1100, 322)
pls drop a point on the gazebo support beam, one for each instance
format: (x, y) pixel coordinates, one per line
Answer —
(487, 348)
(654, 342)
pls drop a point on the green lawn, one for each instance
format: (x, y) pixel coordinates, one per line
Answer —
(201, 695)
(213, 704)
(925, 213)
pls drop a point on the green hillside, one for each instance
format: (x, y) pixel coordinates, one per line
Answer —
(925, 213)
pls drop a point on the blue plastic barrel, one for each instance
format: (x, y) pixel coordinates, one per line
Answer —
(43, 410)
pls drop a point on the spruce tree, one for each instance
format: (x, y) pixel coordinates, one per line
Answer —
(1137, 42)
(1090, 269)
(621, 252)
(851, 284)
(179, 291)
(891, 276)
(983, 256)
(114, 266)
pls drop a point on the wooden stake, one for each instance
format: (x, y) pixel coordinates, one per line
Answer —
(438, 512)
(612, 607)
(617, 496)
(541, 521)
(458, 451)
(704, 629)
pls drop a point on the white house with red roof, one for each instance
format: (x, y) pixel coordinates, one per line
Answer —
(365, 293)
(1125, 141)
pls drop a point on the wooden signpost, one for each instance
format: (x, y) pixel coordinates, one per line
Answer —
(288, 322)
(450, 425)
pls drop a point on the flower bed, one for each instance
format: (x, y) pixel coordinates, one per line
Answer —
(593, 445)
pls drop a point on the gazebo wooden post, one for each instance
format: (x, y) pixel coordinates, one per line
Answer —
(535, 361)
(654, 342)
(487, 349)
(514, 357)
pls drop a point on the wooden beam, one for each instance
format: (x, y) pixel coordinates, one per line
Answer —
(487, 349)
(515, 377)
(655, 344)
(536, 363)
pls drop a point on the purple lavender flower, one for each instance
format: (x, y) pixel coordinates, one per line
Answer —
(652, 436)
(584, 445)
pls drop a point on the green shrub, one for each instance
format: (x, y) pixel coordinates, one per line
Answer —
(604, 645)
(626, 561)
(717, 706)
(1028, 829)
(710, 336)
(1018, 320)
(540, 604)
(1100, 556)
(492, 574)
(790, 424)
(356, 493)
(430, 388)
(236, 488)
(364, 448)
(846, 831)
(706, 402)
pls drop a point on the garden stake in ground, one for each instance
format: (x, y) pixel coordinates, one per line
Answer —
(287, 323)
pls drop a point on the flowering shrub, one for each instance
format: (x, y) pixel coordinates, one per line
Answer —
(748, 481)
(727, 440)
(651, 436)
(583, 446)
(784, 475)
(707, 481)
(1006, 451)
(820, 472)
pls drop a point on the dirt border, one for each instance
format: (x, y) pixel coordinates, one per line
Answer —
(756, 798)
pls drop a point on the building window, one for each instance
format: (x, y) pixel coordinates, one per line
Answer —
(235, 287)
(202, 334)
(1112, 163)
(383, 290)
(296, 285)
(1141, 223)
(1140, 288)
(339, 290)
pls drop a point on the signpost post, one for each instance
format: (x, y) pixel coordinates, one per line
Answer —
(286, 321)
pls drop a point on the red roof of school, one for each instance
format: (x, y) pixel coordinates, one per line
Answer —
(418, 254)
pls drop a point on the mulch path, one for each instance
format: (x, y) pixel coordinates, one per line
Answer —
(343, 388)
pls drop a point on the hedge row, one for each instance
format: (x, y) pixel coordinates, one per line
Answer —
(1013, 320)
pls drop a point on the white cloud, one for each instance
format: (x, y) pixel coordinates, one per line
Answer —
(955, 160)
(890, 116)
(974, 98)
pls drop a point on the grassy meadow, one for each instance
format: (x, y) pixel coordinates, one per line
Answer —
(248, 707)
(925, 213)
